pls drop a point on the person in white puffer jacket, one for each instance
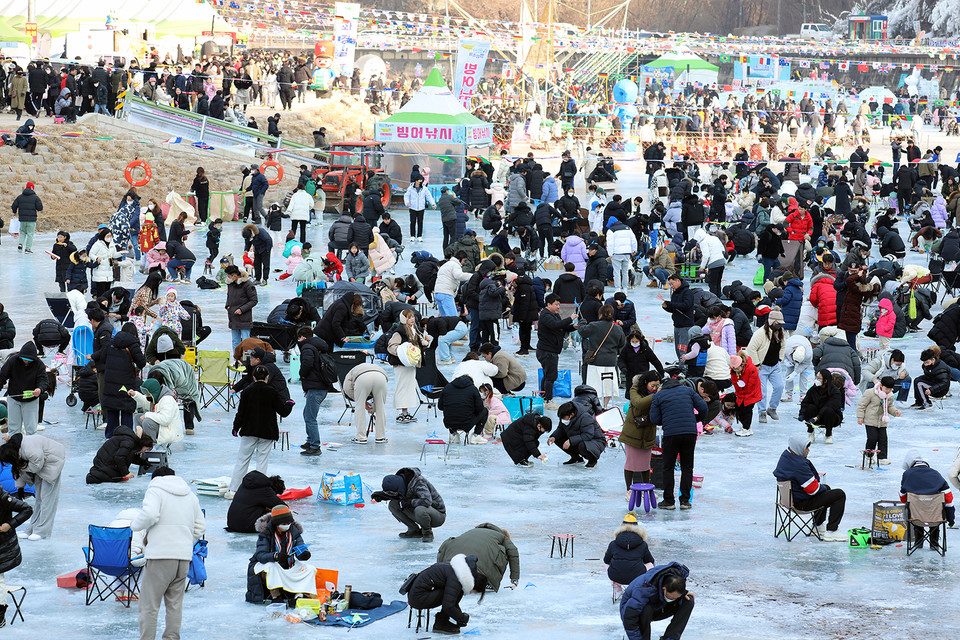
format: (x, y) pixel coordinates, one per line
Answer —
(449, 277)
(162, 419)
(621, 245)
(299, 208)
(713, 258)
(173, 521)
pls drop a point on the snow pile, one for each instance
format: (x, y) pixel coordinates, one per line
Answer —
(937, 17)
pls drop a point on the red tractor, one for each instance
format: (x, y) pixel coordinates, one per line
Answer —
(350, 162)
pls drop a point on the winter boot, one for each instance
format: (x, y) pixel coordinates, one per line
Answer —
(3, 615)
(762, 418)
(427, 535)
(773, 414)
(445, 626)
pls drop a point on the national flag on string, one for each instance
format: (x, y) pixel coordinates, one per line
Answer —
(844, 66)
(724, 58)
(784, 62)
(862, 68)
(824, 65)
(202, 145)
(603, 75)
(177, 140)
(805, 64)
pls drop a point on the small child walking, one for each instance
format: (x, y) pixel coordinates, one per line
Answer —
(213, 243)
(171, 312)
(874, 411)
(885, 323)
(147, 239)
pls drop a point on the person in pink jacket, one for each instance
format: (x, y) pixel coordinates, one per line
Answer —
(721, 329)
(498, 412)
(575, 251)
(885, 323)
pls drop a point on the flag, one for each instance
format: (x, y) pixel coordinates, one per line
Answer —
(862, 68)
(844, 66)
(603, 75)
(805, 64)
(177, 140)
(784, 62)
(202, 145)
(724, 58)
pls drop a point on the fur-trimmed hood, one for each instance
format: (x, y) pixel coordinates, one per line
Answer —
(263, 524)
(631, 528)
(465, 567)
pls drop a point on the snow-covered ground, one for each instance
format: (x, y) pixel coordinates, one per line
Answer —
(747, 584)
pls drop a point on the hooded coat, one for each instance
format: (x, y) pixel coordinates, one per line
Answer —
(638, 437)
(836, 353)
(253, 499)
(172, 518)
(824, 298)
(628, 554)
(121, 362)
(20, 375)
(582, 430)
(521, 440)
(575, 251)
(113, 459)
(461, 404)
(266, 551)
(645, 590)
(493, 549)
(337, 322)
(791, 302)
(242, 296)
(443, 585)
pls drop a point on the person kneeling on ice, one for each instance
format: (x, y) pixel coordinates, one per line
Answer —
(628, 556)
(125, 447)
(809, 494)
(443, 585)
(278, 561)
(579, 435)
(414, 502)
(463, 410)
(920, 479)
(822, 406)
(658, 594)
(521, 440)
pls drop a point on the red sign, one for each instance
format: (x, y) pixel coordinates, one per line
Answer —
(31, 30)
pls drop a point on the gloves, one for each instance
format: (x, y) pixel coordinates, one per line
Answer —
(283, 560)
(304, 556)
(512, 585)
(236, 432)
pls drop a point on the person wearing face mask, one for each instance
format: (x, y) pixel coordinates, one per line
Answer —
(658, 594)
(874, 412)
(770, 249)
(766, 349)
(26, 379)
(809, 494)
(278, 562)
(241, 299)
(637, 357)
(822, 406)
(568, 207)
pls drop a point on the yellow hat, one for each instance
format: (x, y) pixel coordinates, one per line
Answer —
(629, 519)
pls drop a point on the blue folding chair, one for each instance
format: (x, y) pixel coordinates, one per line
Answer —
(108, 564)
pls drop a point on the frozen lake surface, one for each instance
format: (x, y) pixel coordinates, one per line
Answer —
(747, 584)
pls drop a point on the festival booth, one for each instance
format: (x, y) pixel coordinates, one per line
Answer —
(687, 68)
(432, 130)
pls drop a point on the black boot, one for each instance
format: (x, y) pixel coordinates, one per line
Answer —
(3, 615)
(443, 625)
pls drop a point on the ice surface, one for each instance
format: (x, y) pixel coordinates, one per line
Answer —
(747, 584)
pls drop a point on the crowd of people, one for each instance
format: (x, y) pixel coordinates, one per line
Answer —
(831, 241)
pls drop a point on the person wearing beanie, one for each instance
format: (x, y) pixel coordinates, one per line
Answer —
(147, 238)
(172, 521)
(922, 480)
(766, 350)
(809, 494)
(277, 568)
(25, 207)
(628, 555)
(874, 412)
(413, 501)
(161, 419)
(797, 363)
(171, 312)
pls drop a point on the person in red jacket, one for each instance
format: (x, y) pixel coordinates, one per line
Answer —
(746, 385)
(824, 299)
(799, 222)
(332, 267)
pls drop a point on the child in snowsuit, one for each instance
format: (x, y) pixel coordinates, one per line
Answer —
(885, 323)
(874, 411)
(147, 239)
(292, 262)
(171, 312)
(213, 241)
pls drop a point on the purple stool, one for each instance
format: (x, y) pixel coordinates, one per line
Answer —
(644, 491)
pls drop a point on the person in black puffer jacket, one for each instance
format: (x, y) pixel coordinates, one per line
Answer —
(121, 362)
(14, 512)
(87, 389)
(443, 585)
(113, 459)
(269, 360)
(301, 312)
(946, 327)
(463, 409)
(471, 300)
(597, 266)
(256, 496)
(526, 310)
(636, 358)
(50, 333)
(578, 435)
(935, 381)
(343, 318)
(426, 272)
(8, 332)
(628, 555)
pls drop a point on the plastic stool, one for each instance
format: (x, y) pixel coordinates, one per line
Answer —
(565, 541)
(868, 458)
(423, 619)
(284, 441)
(642, 491)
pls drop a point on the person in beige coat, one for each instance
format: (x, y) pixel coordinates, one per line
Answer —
(366, 385)
(18, 92)
(874, 412)
(510, 376)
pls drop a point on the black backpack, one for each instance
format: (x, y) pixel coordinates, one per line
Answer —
(327, 368)
(840, 286)
(204, 282)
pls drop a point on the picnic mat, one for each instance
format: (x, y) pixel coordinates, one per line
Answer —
(345, 617)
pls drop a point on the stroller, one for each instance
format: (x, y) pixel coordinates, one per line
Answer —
(193, 330)
(59, 306)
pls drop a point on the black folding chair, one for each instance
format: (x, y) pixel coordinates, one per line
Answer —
(347, 360)
(430, 382)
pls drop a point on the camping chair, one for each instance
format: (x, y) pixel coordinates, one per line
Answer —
(346, 361)
(215, 378)
(430, 382)
(197, 574)
(108, 564)
(17, 603)
(59, 307)
(787, 516)
(926, 512)
(936, 266)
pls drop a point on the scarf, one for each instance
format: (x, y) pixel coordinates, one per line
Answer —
(284, 541)
(716, 328)
(883, 403)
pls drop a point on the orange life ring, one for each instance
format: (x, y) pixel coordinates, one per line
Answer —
(147, 173)
(275, 164)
